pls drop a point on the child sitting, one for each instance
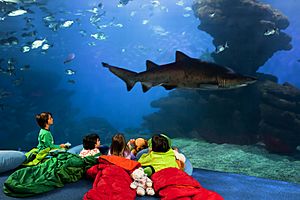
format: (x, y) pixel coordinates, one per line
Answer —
(45, 138)
(119, 147)
(160, 155)
(91, 144)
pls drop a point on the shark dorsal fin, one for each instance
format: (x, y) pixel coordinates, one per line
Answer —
(151, 65)
(180, 56)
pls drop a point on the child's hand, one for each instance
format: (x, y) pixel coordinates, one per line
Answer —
(62, 146)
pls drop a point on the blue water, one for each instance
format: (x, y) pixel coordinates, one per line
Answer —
(96, 91)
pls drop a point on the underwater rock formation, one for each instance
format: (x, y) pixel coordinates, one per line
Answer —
(246, 34)
(279, 123)
(248, 27)
(265, 112)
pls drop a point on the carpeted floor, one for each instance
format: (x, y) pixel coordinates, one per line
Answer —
(230, 186)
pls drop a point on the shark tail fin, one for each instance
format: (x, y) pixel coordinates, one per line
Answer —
(126, 75)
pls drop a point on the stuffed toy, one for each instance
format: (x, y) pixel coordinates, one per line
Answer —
(137, 145)
(141, 183)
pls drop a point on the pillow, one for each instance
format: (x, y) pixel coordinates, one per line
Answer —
(10, 159)
(76, 149)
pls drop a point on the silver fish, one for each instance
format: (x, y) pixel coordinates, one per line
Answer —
(70, 72)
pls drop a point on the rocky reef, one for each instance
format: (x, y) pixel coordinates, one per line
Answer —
(252, 31)
(246, 34)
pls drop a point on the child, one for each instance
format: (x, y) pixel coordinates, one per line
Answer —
(160, 155)
(45, 138)
(91, 145)
(119, 147)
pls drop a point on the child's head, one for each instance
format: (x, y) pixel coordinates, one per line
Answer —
(43, 119)
(91, 141)
(118, 145)
(160, 143)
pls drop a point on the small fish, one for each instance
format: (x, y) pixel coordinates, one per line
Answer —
(212, 15)
(25, 68)
(180, 3)
(95, 18)
(94, 10)
(92, 44)
(2, 18)
(15, 13)
(186, 15)
(155, 3)
(37, 43)
(221, 48)
(100, 5)
(9, 41)
(67, 24)
(145, 21)
(82, 32)
(132, 13)
(69, 58)
(25, 49)
(49, 18)
(69, 72)
(5, 94)
(188, 9)
(10, 1)
(118, 25)
(99, 36)
(46, 46)
(53, 26)
(11, 61)
(271, 31)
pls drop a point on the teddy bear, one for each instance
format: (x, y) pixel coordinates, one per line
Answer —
(137, 145)
(141, 183)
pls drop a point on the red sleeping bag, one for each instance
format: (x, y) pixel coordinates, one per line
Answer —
(112, 179)
(172, 183)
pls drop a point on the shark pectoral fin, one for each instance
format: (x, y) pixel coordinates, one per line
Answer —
(181, 56)
(151, 65)
(169, 87)
(146, 86)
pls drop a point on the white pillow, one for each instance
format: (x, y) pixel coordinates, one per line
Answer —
(10, 159)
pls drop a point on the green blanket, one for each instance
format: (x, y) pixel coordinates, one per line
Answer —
(62, 168)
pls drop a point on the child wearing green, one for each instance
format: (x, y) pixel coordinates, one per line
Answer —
(160, 155)
(45, 137)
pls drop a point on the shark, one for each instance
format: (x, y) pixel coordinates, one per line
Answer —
(185, 72)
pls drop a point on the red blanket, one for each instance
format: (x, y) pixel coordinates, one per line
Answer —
(172, 183)
(112, 179)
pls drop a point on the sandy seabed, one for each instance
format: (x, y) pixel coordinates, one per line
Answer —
(245, 159)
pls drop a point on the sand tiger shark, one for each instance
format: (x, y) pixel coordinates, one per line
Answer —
(185, 72)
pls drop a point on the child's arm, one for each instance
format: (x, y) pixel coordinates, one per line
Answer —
(48, 141)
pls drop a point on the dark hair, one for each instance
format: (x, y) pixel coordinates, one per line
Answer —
(118, 145)
(42, 119)
(89, 141)
(160, 143)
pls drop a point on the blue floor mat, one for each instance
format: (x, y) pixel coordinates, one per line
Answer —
(230, 186)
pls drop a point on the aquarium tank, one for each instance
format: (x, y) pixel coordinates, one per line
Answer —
(219, 77)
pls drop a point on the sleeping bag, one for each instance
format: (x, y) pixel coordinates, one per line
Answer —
(112, 179)
(172, 183)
